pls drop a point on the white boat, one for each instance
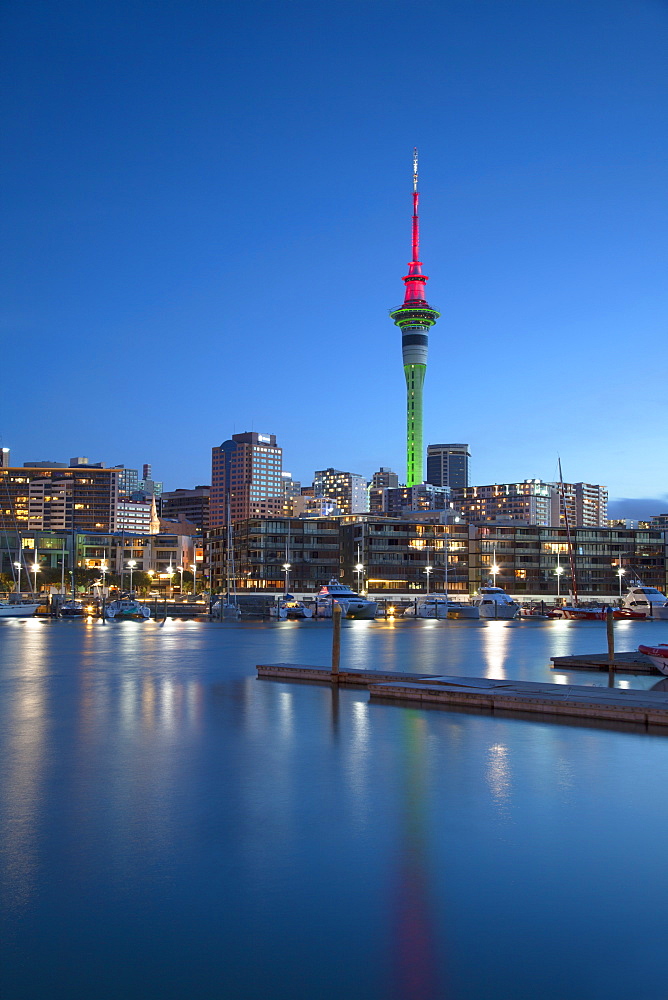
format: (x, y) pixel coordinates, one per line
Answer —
(127, 609)
(290, 607)
(493, 602)
(352, 605)
(441, 607)
(658, 655)
(646, 600)
(8, 610)
(72, 609)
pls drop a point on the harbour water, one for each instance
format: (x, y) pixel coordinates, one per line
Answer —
(172, 827)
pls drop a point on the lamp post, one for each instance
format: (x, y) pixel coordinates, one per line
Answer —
(180, 569)
(558, 571)
(170, 585)
(103, 571)
(494, 569)
(131, 563)
(359, 569)
(35, 569)
(428, 570)
(286, 569)
(18, 585)
(194, 576)
(620, 574)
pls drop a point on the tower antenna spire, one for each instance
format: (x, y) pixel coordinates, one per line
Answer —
(414, 318)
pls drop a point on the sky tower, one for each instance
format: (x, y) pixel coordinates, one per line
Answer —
(414, 318)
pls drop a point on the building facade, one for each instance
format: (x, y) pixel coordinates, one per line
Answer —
(529, 501)
(193, 505)
(246, 472)
(586, 505)
(45, 498)
(448, 465)
(348, 490)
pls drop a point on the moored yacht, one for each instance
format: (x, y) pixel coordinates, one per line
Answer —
(290, 607)
(493, 602)
(646, 601)
(9, 610)
(127, 609)
(658, 655)
(442, 607)
(352, 605)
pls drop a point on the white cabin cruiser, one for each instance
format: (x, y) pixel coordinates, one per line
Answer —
(352, 605)
(646, 600)
(127, 609)
(493, 602)
(9, 610)
(290, 607)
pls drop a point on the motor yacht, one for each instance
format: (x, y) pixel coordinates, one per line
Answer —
(646, 601)
(441, 607)
(493, 602)
(352, 605)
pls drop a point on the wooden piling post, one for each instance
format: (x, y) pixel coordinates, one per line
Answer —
(336, 639)
(610, 629)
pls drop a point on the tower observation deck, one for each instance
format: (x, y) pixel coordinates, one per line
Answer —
(414, 318)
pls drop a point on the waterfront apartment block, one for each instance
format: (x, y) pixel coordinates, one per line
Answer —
(133, 515)
(448, 465)
(398, 554)
(58, 498)
(397, 501)
(586, 505)
(379, 482)
(246, 473)
(347, 489)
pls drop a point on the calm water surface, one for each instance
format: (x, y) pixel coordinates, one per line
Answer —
(171, 827)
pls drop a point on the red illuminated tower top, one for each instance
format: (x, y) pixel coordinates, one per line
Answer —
(415, 279)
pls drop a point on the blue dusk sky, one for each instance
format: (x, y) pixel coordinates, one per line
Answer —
(206, 215)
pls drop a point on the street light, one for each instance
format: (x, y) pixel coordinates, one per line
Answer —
(558, 571)
(194, 576)
(103, 570)
(18, 585)
(35, 569)
(494, 569)
(131, 563)
(286, 569)
(170, 586)
(428, 570)
(359, 569)
(620, 574)
(180, 569)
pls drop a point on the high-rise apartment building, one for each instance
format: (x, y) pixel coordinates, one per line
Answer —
(529, 501)
(347, 489)
(291, 491)
(448, 464)
(380, 481)
(246, 471)
(50, 497)
(586, 505)
(399, 500)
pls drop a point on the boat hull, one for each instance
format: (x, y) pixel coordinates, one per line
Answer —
(658, 655)
(18, 610)
(364, 610)
(499, 611)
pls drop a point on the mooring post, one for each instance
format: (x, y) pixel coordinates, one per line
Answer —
(336, 640)
(610, 629)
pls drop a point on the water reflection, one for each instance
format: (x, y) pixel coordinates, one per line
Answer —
(495, 644)
(23, 768)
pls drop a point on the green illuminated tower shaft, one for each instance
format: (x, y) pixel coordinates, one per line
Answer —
(414, 318)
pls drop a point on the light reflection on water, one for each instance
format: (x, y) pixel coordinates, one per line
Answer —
(157, 799)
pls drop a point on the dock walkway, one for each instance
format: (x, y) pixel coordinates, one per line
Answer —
(648, 708)
(622, 663)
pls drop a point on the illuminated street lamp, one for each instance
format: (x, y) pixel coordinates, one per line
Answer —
(428, 570)
(35, 569)
(18, 585)
(180, 569)
(103, 571)
(286, 570)
(359, 569)
(620, 574)
(194, 576)
(494, 569)
(131, 563)
(558, 571)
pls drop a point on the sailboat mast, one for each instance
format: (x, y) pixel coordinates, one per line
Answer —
(571, 554)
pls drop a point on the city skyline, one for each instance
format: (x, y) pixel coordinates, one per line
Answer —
(166, 175)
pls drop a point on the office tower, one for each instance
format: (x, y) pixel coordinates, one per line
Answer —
(448, 464)
(347, 489)
(193, 505)
(246, 470)
(128, 481)
(414, 318)
(4, 458)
